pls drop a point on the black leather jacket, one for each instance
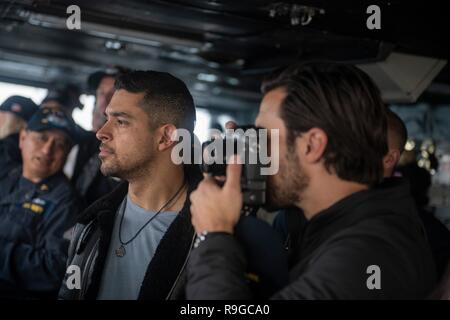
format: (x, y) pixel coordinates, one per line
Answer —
(165, 275)
(336, 248)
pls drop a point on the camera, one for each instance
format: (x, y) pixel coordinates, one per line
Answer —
(246, 142)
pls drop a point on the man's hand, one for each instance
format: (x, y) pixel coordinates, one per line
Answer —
(214, 208)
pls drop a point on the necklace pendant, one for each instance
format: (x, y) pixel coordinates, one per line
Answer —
(120, 252)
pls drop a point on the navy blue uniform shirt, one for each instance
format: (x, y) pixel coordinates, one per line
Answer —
(33, 220)
(10, 156)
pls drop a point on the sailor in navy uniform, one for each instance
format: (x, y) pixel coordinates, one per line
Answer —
(37, 207)
(15, 112)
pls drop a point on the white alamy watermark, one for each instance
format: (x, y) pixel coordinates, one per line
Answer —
(73, 22)
(374, 280)
(73, 277)
(373, 22)
(252, 145)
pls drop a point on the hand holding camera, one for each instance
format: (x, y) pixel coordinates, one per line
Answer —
(244, 141)
(215, 208)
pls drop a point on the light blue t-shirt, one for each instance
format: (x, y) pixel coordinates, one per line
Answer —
(122, 276)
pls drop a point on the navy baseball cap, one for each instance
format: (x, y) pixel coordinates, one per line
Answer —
(68, 97)
(20, 106)
(50, 118)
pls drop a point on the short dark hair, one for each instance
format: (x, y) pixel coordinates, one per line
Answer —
(344, 102)
(166, 98)
(398, 128)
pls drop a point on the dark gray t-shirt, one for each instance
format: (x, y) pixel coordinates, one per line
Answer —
(122, 276)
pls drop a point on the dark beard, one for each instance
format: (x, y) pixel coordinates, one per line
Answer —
(285, 192)
(127, 174)
(112, 172)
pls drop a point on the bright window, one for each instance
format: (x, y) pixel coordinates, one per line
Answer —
(9, 89)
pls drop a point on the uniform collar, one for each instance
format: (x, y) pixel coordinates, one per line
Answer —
(43, 185)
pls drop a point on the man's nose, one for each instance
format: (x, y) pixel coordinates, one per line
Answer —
(48, 147)
(103, 133)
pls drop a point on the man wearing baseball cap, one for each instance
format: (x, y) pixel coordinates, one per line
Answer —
(89, 182)
(67, 98)
(101, 84)
(37, 206)
(14, 114)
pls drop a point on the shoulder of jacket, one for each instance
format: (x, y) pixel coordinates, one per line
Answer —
(107, 203)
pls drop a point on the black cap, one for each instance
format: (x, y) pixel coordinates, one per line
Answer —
(68, 97)
(95, 78)
(50, 118)
(20, 106)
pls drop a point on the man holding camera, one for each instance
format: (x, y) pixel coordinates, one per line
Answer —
(359, 241)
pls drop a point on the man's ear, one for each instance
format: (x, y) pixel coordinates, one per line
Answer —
(391, 159)
(22, 136)
(167, 133)
(313, 144)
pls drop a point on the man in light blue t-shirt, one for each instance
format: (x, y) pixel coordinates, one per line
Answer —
(122, 277)
(134, 242)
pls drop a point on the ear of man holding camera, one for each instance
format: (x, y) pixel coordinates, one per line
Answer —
(332, 138)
